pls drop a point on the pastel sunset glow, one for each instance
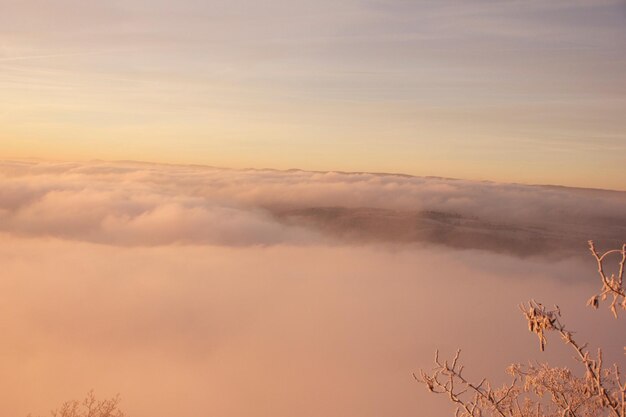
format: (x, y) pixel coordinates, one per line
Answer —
(507, 91)
(284, 208)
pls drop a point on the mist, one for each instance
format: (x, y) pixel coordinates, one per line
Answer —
(204, 291)
(128, 203)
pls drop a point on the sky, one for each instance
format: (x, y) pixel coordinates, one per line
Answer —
(187, 291)
(529, 92)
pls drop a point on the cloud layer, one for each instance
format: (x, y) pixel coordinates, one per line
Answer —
(128, 203)
(270, 331)
(202, 291)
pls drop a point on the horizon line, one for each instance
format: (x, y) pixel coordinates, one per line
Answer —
(391, 174)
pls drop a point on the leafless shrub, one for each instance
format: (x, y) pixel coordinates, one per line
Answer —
(471, 399)
(90, 407)
(539, 390)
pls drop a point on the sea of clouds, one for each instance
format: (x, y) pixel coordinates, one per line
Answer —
(187, 289)
(127, 203)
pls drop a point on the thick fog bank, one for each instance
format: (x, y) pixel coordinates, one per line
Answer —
(274, 331)
(135, 204)
(200, 291)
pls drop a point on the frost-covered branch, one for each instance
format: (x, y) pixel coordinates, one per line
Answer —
(611, 286)
(472, 399)
(539, 390)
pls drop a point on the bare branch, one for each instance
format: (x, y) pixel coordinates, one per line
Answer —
(539, 390)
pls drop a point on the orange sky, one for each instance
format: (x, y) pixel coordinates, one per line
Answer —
(505, 91)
